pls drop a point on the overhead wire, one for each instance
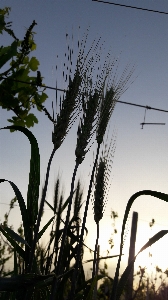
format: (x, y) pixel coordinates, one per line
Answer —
(63, 90)
(148, 10)
(130, 6)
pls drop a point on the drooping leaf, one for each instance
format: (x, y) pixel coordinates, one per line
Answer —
(153, 240)
(156, 194)
(14, 235)
(125, 275)
(13, 243)
(34, 175)
(29, 215)
(22, 205)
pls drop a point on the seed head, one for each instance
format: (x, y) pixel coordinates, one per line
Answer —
(102, 178)
(68, 106)
(99, 192)
(106, 108)
(85, 129)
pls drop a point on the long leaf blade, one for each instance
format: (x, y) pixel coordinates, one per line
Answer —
(33, 189)
(21, 205)
(34, 175)
(14, 235)
(13, 243)
(44, 228)
(156, 194)
(128, 269)
(154, 239)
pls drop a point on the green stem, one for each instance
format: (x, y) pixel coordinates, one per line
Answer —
(29, 267)
(55, 281)
(95, 262)
(75, 274)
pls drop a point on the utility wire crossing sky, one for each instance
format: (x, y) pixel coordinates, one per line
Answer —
(63, 90)
(130, 6)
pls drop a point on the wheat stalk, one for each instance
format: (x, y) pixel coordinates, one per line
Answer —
(100, 194)
(106, 106)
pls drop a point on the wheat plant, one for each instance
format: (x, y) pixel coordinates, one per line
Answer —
(96, 99)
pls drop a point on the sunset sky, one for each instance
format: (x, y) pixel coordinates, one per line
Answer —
(135, 38)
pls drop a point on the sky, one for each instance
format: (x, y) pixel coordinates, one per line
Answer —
(136, 39)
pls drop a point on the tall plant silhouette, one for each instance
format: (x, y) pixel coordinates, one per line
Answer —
(108, 92)
(47, 256)
(102, 176)
(96, 97)
(60, 130)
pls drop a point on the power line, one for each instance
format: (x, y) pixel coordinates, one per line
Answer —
(63, 90)
(143, 106)
(130, 6)
(32, 83)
